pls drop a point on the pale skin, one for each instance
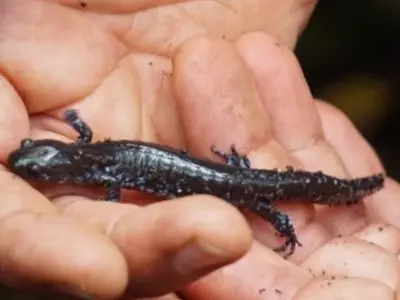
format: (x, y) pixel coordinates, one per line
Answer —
(140, 70)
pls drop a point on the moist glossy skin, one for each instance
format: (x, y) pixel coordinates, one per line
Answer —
(171, 173)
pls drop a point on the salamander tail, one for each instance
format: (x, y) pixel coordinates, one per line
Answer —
(333, 191)
(366, 186)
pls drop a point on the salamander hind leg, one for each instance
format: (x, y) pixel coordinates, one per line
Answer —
(112, 185)
(85, 133)
(281, 224)
(233, 159)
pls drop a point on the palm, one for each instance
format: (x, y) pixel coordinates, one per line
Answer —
(114, 64)
(121, 61)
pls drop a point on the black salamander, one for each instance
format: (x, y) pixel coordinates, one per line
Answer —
(169, 173)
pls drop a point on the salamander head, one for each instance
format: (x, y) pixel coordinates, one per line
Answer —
(40, 160)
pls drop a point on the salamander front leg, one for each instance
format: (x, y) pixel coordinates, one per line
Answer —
(233, 159)
(85, 133)
(113, 194)
(281, 223)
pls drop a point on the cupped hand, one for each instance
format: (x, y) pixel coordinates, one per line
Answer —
(256, 97)
(112, 61)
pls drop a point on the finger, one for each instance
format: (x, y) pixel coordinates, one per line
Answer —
(295, 122)
(360, 160)
(71, 44)
(37, 246)
(344, 289)
(261, 274)
(294, 118)
(292, 124)
(383, 206)
(216, 95)
(170, 243)
(352, 257)
(385, 236)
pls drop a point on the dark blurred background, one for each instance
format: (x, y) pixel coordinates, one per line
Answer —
(350, 54)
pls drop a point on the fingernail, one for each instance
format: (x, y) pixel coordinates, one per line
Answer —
(195, 257)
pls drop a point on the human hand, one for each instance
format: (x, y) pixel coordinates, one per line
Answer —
(260, 101)
(115, 68)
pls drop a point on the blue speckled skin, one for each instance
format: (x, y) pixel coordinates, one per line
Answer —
(170, 173)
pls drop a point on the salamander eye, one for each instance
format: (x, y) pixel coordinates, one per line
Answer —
(26, 143)
(33, 170)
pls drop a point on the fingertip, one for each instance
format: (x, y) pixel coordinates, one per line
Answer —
(172, 243)
(46, 249)
(213, 225)
(222, 228)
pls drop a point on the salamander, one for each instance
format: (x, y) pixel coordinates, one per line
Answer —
(170, 173)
